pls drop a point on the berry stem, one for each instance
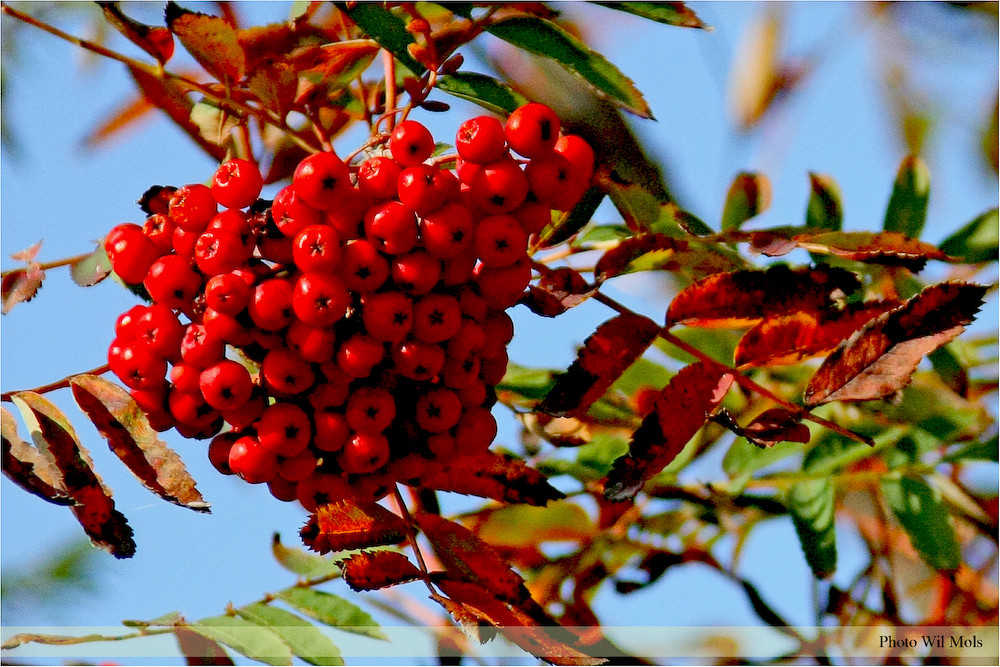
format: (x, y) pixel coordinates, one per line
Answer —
(389, 68)
(56, 263)
(412, 536)
(58, 384)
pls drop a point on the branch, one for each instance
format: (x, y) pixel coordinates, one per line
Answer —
(52, 386)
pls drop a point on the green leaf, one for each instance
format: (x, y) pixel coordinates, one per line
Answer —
(639, 207)
(524, 525)
(385, 28)
(925, 519)
(91, 269)
(975, 451)
(246, 637)
(811, 504)
(977, 241)
(303, 563)
(749, 195)
(483, 90)
(545, 38)
(214, 124)
(332, 610)
(305, 639)
(570, 222)
(744, 458)
(907, 208)
(824, 210)
(670, 13)
(527, 383)
(833, 452)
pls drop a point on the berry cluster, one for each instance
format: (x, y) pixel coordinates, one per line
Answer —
(366, 304)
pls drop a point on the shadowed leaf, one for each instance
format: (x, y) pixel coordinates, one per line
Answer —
(924, 517)
(154, 40)
(570, 222)
(645, 252)
(811, 504)
(304, 639)
(749, 195)
(245, 637)
(557, 291)
(483, 90)
(352, 524)
(21, 285)
(331, 66)
(907, 209)
(199, 649)
(210, 40)
(605, 355)
(92, 269)
(385, 28)
(888, 248)
(824, 210)
(125, 426)
(776, 425)
(679, 412)
(332, 610)
(670, 13)
(879, 359)
(28, 467)
(371, 570)
(742, 297)
(977, 241)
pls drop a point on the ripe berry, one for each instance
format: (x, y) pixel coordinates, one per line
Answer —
(160, 330)
(370, 410)
(411, 143)
(424, 188)
(172, 281)
(218, 251)
(227, 293)
(347, 215)
(159, 229)
(131, 252)
(476, 430)
(270, 305)
(226, 385)
(499, 187)
(126, 323)
(292, 214)
(320, 299)
(285, 373)
(237, 183)
(317, 249)
(500, 241)
(283, 489)
(418, 360)
(461, 372)
(504, 286)
(313, 344)
(184, 241)
(579, 154)
(235, 222)
(284, 429)
(218, 451)
(446, 231)
(298, 467)
(436, 318)
(377, 177)
(481, 140)
(246, 415)
(199, 348)
(192, 206)
(251, 461)
(359, 354)
(532, 130)
(364, 453)
(362, 267)
(392, 227)
(332, 431)
(438, 410)
(186, 378)
(137, 366)
(192, 410)
(320, 179)
(415, 272)
(387, 316)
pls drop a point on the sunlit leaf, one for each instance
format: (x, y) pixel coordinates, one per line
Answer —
(483, 90)
(977, 241)
(246, 637)
(889, 248)
(879, 359)
(351, 524)
(824, 210)
(371, 570)
(28, 467)
(303, 563)
(644, 252)
(670, 13)
(332, 66)
(92, 269)
(749, 195)
(526, 526)
(331, 610)
(907, 208)
(125, 426)
(304, 639)
(154, 40)
(210, 40)
(214, 124)
(924, 517)
(811, 504)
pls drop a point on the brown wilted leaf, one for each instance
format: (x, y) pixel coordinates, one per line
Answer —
(28, 254)
(351, 523)
(888, 248)
(372, 570)
(125, 426)
(94, 508)
(28, 467)
(557, 291)
(742, 297)
(879, 359)
(776, 425)
(484, 474)
(788, 339)
(21, 285)
(210, 40)
(154, 40)
(605, 355)
(680, 410)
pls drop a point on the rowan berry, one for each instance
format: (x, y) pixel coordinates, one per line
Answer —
(291, 213)
(362, 267)
(377, 177)
(481, 140)
(237, 183)
(283, 489)
(410, 143)
(500, 241)
(251, 461)
(270, 305)
(284, 429)
(218, 451)
(387, 316)
(235, 222)
(424, 188)
(217, 251)
(370, 410)
(332, 431)
(359, 354)
(298, 467)
(192, 206)
(286, 373)
(314, 344)
(226, 385)
(317, 249)
(321, 178)
(348, 215)
(504, 286)
(418, 360)
(185, 378)
(415, 272)
(159, 229)
(392, 227)
(475, 431)
(579, 154)
(320, 299)
(364, 453)
(227, 293)
(436, 318)
(184, 241)
(246, 415)
(532, 130)
(499, 187)
(160, 330)
(137, 366)
(131, 252)
(446, 231)
(438, 410)
(199, 348)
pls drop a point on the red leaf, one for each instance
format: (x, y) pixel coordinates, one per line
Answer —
(275, 86)
(94, 509)
(776, 425)
(210, 40)
(557, 291)
(742, 297)
(485, 474)
(879, 359)
(199, 649)
(890, 248)
(351, 523)
(680, 410)
(156, 41)
(28, 467)
(21, 285)
(605, 355)
(371, 570)
(639, 253)
(126, 428)
(788, 339)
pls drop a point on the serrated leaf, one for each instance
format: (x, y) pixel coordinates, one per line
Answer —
(925, 519)
(94, 508)
(91, 269)
(246, 637)
(741, 297)
(879, 358)
(977, 241)
(483, 90)
(887, 248)
(304, 639)
(568, 223)
(154, 40)
(907, 209)
(210, 40)
(27, 467)
(331, 66)
(331, 610)
(525, 526)
(199, 649)
(350, 523)
(372, 570)
(545, 38)
(749, 195)
(385, 28)
(303, 563)
(21, 285)
(275, 85)
(27, 255)
(824, 210)
(557, 291)
(125, 426)
(644, 252)
(680, 410)
(669, 13)
(812, 507)
(776, 425)
(639, 208)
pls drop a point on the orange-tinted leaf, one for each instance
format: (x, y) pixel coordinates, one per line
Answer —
(371, 570)
(484, 474)
(272, 43)
(889, 248)
(742, 297)
(468, 558)
(126, 428)
(154, 40)
(774, 426)
(28, 467)
(824, 210)
(28, 254)
(21, 285)
(275, 86)
(679, 411)
(605, 355)
(121, 119)
(879, 359)
(210, 40)
(749, 195)
(557, 291)
(334, 63)
(351, 523)
(788, 339)
(644, 252)
(94, 508)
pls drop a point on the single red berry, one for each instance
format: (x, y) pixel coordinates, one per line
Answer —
(418, 360)
(152, 400)
(533, 216)
(173, 282)
(218, 451)
(320, 299)
(362, 267)
(504, 286)
(364, 453)
(283, 489)
(218, 251)
(226, 385)
(292, 214)
(192, 206)
(246, 415)
(330, 395)
(470, 338)
(297, 468)
(458, 269)
(446, 231)
(500, 241)
(475, 431)
(392, 227)
(377, 177)
(185, 378)
(424, 188)
(160, 330)
(320, 488)
(579, 154)
(332, 431)
(131, 252)
(466, 171)
(474, 306)
(317, 249)
(370, 410)
(184, 241)
(235, 222)
(492, 369)
(159, 229)
(499, 187)
(274, 246)
(549, 176)
(137, 366)
(411, 143)
(126, 324)
(481, 140)
(200, 349)
(441, 446)
(270, 305)
(314, 344)
(438, 410)
(415, 272)
(347, 216)
(461, 372)
(472, 395)
(230, 329)
(227, 293)
(192, 410)
(359, 354)
(387, 316)
(532, 130)
(436, 318)
(284, 429)
(284, 372)
(251, 461)
(320, 180)
(237, 183)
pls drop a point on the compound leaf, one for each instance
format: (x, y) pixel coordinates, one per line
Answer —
(385, 28)
(28, 467)
(351, 524)
(246, 637)
(924, 517)
(304, 639)
(372, 570)
(331, 610)
(303, 563)
(811, 504)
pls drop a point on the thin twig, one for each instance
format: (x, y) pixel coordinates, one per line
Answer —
(6, 397)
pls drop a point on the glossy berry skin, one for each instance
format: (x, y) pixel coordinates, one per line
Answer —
(481, 140)
(387, 316)
(317, 249)
(320, 299)
(532, 130)
(313, 344)
(192, 206)
(159, 229)
(297, 468)
(364, 453)
(499, 187)
(218, 451)
(131, 252)
(199, 348)
(227, 293)
(359, 354)
(504, 286)
(286, 373)
(136, 366)
(251, 461)
(436, 318)
(217, 251)
(500, 241)
(226, 385)
(332, 431)
(284, 429)
(292, 214)
(237, 183)
(410, 143)
(234, 221)
(370, 410)
(475, 431)
(391, 227)
(415, 272)
(418, 360)
(347, 215)
(159, 329)
(424, 188)
(172, 282)
(270, 305)
(578, 154)
(321, 179)
(377, 177)
(447, 231)
(363, 268)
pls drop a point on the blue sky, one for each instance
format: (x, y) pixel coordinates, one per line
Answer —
(56, 190)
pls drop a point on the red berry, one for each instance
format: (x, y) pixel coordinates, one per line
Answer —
(461, 372)
(192, 206)
(500, 241)
(475, 430)
(347, 215)
(481, 140)
(126, 324)
(298, 467)
(270, 305)
(184, 241)
(359, 354)
(186, 378)
(227, 293)
(192, 410)
(438, 410)
(377, 177)
(532, 130)
(218, 451)
(286, 373)
(283, 489)
(504, 286)
(436, 318)
(237, 183)
(284, 429)
(218, 251)
(160, 330)
(313, 344)
(387, 316)
(172, 281)
(446, 231)
(579, 154)
(317, 249)
(159, 229)
(235, 222)
(418, 360)
(362, 267)
(246, 415)
(499, 187)
(199, 349)
(411, 143)
(424, 188)
(332, 431)
(416, 272)
(251, 461)
(320, 180)
(131, 252)
(364, 453)
(533, 216)
(292, 214)
(137, 366)
(320, 299)
(370, 410)
(392, 227)
(226, 385)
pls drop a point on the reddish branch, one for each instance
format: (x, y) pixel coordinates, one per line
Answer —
(52, 386)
